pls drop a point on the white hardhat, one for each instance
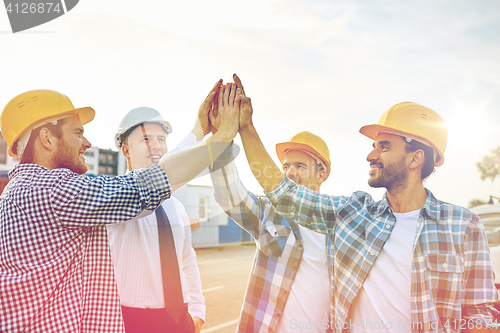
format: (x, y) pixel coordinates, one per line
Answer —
(136, 117)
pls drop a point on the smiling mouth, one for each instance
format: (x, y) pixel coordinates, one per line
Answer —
(374, 168)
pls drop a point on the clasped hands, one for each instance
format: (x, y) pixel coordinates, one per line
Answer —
(226, 110)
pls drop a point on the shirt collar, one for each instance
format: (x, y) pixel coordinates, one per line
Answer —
(26, 167)
(431, 207)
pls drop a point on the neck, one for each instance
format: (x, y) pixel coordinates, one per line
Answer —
(411, 198)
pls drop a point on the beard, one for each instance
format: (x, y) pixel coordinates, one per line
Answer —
(392, 176)
(66, 158)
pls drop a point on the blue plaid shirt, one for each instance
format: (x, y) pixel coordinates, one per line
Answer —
(279, 246)
(452, 282)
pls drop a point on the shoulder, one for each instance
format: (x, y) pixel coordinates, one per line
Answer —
(449, 213)
(174, 206)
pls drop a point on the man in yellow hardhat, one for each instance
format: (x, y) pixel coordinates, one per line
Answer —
(408, 262)
(55, 266)
(289, 281)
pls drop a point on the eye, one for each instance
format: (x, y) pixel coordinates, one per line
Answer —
(285, 167)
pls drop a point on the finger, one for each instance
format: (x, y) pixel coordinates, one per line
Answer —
(232, 95)
(212, 117)
(238, 97)
(221, 95)
(238, 83)
(205, 106)
(227, 91)
(216, 103)
(215, 87)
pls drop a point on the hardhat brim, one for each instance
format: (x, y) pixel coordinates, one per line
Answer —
(373, 130)
(284, 147)
(163, 123)
(84, 115)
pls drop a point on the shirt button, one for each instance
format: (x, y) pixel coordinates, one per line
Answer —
(445, 265)
(388, 226)
(356, 284)
(372, 253)
(343, 312)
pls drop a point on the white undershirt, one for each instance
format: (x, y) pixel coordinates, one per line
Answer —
(383, 303)
(308, 305)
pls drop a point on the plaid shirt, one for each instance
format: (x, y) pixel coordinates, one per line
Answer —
(55, 265)
(451, 272)
(279, 248)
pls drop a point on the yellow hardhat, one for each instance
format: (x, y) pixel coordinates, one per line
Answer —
(33, 109)
(308, 143)
(415, 122)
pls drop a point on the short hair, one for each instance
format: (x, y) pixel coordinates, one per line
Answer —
(56, 130)
(428, 167)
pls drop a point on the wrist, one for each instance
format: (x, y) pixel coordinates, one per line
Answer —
(247, 129)
(198, 132)
(222, 136)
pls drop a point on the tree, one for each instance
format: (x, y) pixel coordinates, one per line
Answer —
(476, 202)
(490, 165)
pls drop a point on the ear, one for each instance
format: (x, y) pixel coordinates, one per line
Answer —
(322, 175)
(416, 159)
(47, 139)
(126, 151)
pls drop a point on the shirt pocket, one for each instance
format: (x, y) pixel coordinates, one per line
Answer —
(273, 238)
(445, 277)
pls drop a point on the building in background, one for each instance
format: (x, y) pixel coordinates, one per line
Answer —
(105, 162)
(210, 226)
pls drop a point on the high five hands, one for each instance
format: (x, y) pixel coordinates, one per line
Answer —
(225, 100)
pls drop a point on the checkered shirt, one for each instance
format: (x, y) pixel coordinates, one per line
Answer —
(55, 265)
(451, 274)
(279, 244)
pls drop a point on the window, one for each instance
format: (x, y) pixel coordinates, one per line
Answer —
(203, 208)
(89, 153)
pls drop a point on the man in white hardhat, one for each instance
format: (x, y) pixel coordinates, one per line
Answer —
(408, 262)
(289, 280)
(56, 273)
(136, 249)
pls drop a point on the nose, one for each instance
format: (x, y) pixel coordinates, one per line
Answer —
(86, 143)
(291, 172)
(372, 156)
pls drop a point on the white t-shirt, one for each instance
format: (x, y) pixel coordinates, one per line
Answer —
(383, 303)
(307, 308)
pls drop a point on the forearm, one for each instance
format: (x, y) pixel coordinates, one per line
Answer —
(263, 167)
(309, 208)
(229, 192)
(184, 166)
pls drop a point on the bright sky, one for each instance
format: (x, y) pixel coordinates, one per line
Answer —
(328, 67)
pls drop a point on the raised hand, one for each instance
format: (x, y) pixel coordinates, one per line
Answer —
(246, 109)
(202, 125)
(228, 110)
